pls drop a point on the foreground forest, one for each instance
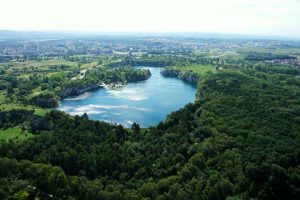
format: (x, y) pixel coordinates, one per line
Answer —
(240, 139)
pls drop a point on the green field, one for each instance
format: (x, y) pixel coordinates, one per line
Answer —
(41, 63)
(37, 110)
(2, 97)
(199, 69)
(14, 133)
(184, 72)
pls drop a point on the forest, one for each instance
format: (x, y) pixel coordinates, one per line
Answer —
(239, 140)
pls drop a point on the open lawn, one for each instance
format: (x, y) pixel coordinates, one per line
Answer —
(42, 63)
(26, 68)
(14, 133)
(38, 111)
(198, 69)
(2, 97)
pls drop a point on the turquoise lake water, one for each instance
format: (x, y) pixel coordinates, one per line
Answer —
(146, 103)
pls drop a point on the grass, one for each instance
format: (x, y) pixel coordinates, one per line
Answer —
(198, 69)
(88, 65)
(26, 68)
(37, 110)
(14, 133)
(2, 97)
(43, 63)
(41, 111)
(289, 51)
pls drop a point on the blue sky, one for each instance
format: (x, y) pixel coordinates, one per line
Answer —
(258, 17)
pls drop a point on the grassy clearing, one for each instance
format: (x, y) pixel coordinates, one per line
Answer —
(14, 133)
(2, 97)
(41, 111)
(37, 111)
(198, 69)
(289, 51)
(26, 68)
(88, 65)
(43, 63)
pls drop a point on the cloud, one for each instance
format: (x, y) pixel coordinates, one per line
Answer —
(65, 108)
(129, 122)
(116, 114)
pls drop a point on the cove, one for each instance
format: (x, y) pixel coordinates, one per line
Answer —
(146, 103)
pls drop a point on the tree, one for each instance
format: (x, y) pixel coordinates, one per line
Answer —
(9, 90)
(136, 129)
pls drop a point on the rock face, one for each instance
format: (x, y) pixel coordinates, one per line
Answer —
(191, 78)
(170, 73)
(185, 76)
(74, 91)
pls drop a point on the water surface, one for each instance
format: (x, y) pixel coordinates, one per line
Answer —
(146, 103)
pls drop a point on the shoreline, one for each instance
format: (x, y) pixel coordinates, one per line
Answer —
(74, 92)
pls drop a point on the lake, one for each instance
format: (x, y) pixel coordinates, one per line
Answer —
(146, 103)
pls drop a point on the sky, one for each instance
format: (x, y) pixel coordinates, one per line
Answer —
(253, 17)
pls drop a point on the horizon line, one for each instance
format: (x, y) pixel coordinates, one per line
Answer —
(116, 32)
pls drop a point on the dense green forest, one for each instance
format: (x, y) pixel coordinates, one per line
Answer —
(239, 140)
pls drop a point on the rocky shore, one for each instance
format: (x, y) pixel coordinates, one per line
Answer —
(74, 91)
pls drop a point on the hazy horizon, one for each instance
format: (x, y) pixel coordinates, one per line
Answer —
(278, 18)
